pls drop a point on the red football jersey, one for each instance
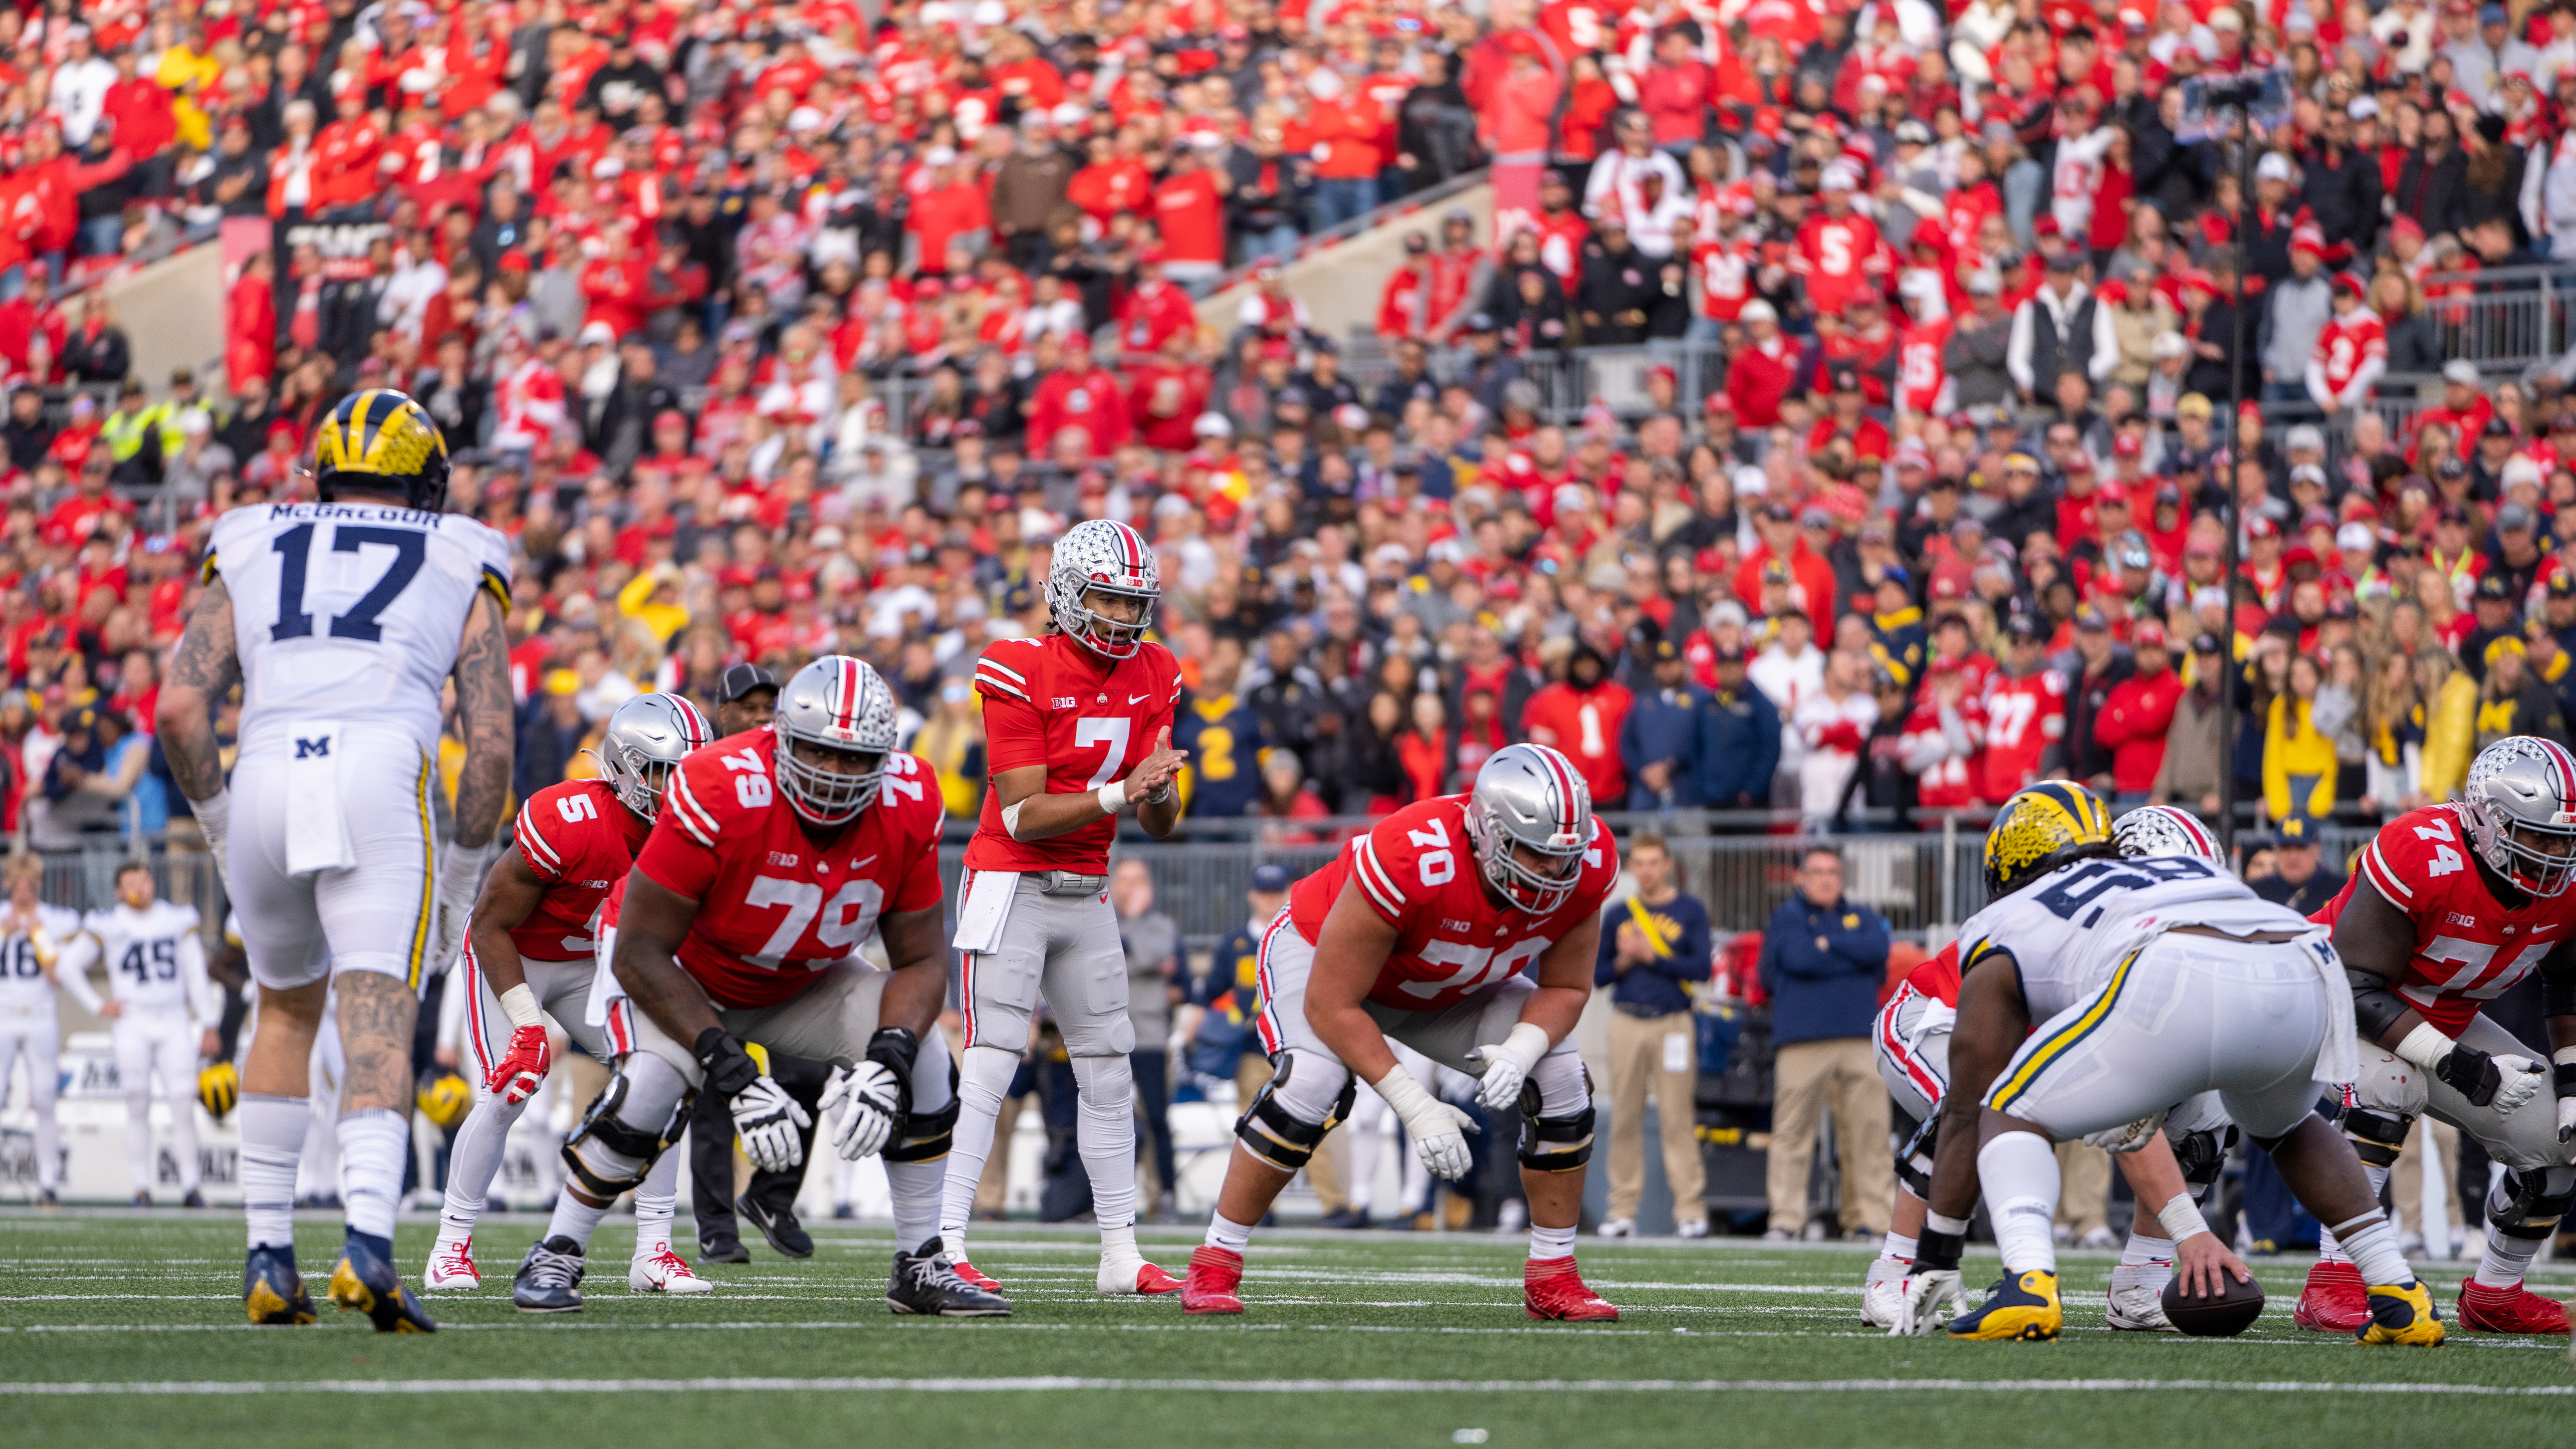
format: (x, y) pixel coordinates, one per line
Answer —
(1054, 702)
(2024, 716)
(1417, 871)
(1938, 978)
(775, 905)
(2468, 948)
(579, 839)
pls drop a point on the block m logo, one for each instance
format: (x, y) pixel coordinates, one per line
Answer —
(309, 749)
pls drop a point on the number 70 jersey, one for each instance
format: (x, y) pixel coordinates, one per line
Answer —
(1417, 870)
(350, 612)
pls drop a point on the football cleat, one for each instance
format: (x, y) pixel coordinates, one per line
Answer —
(1215, 1274)
(2138, 1308)
(272, 1290)
(2402, 1313)
(2334, 1301)
(925, 1283)
(665, 1272)
(1130, 1273)
(1884, 1294)
(1617, 1228)
(142, 1199)
(365, 1282)
(549, 1277)
(2023, 1308)
(45, 1198)
(194, 1199)
(1552, 1289)
(966, 1272)
(787, 1237)
(2509, 1310)
(451, 1268)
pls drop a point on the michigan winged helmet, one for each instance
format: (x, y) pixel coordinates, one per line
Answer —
(2042, 827)
(382, 441)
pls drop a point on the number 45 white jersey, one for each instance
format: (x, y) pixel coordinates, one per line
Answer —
(350, 612)
(2067, 931)
(154, 959)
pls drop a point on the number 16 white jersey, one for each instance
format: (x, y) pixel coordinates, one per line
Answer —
(2067, 931)
(350, 612)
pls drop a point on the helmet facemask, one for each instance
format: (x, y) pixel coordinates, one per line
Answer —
(821, 791)
(2539, 859)
(1097, 630)
(1538, 885)
(638, 780)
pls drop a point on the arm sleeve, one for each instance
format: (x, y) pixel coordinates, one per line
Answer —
(2316, 380)
(71, 971)
(2364, 378)
(2017, 350)
(2106, 343)
(205, 1008)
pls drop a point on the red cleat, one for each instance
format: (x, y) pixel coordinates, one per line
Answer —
(2335, 1300)
(1151, 1280)
(966, 1272)
(1553, 1289)
(2508, 1310)
(1214, 1275)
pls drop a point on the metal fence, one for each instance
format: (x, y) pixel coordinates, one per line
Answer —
(2504, 318)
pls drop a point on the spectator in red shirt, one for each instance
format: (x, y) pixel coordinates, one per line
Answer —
(952, 210)
(1676, 91)
(1189, 210)
(1580, 717)
(2136, 716)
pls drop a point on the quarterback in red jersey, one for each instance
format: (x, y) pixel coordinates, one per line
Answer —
(779, 852)
(1078, 727)
(530, 952)
(1420, 933)
(2452, 905)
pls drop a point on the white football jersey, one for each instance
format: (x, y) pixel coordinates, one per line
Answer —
(2067, 931)
(22, 981)
(153, 957)
(350, 612)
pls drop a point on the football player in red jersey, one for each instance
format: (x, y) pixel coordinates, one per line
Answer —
(530, 952)
(1420, 933)
(2453, 904)
(778, 853)
(1077, 727)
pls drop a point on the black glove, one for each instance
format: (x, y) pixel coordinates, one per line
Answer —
(728, 1067)
(896, 1049)
(2471, 1073)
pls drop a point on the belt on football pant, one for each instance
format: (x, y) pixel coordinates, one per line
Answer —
(1066, 883)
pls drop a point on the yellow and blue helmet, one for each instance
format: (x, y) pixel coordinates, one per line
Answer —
(382, 441)
(444, 1098)
(219, 1089)
(2042, 827)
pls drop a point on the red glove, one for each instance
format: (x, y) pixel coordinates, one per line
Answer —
(1841, 735)
(522, 1069)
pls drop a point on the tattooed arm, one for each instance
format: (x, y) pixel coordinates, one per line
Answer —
(202, 671)
(487, 720)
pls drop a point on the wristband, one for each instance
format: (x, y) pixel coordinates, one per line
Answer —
(2563, 1072)
(520, 1005)
(2425, 1046)
(214, 816)
(1939, 1251)
(1113, 797)
(2564, 1056)
(2181, 1217)
(896, 1049)
(729, 1069)
(1955, 1227)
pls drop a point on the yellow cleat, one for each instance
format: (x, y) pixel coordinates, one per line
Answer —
(365, 1282)
(2401, 1313)
(271, 1289)
(2023, 1308)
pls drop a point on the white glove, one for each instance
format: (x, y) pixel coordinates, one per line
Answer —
(768, 1121)
(2566, 1119)
(2523, 1080)
(1507, 1066)
(2128, 1136)
(1931, 1298)
(869, 1089)
(1439, 1130)
(214, 821)
(460, 875)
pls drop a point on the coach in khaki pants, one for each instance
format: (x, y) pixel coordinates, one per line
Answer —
(1823, 962)
(1652, 945)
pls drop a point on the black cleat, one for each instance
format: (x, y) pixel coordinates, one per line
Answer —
(924, 1283)
(143, 1199)
(366, 1282)
(1346, 1218)
(549, 1277)
(194, 1199)
(723, 1250)
(272, 1290)
(45, 1198)
(785, 1234)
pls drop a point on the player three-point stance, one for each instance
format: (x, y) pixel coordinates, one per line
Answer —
(33, 937)
(2453, 904)
(529, 953)
(1420, 933)
(162, 1012)
(777, 853)
(342, 620)
(1912, 1041)
(2151, 981)
(1078, 727)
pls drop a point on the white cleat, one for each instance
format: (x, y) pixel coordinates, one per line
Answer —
(1617, 1228)
(2139, 1308)
(1694, 1228)
(2098, 1239)
(1883, 1297)
(665, 1272)
(451, 1268)
(1130, 1273)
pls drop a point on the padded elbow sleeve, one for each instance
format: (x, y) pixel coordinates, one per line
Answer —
(2558, 993)
(2375, 1008)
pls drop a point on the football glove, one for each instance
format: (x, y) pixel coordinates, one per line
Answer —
(522, 1069)
(869, 1090)
(1932, 1297)
(2563, 1074)
(769, 1123)
(2504, 1081)
(2128, 1136)
(1508, 1065)
(1439, 1130)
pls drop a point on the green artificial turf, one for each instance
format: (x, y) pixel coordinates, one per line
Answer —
(1352, 1339)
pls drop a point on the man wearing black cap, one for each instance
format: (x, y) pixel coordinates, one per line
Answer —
(1661, 738)
(746, 696)
(2496, 608)
(2105, 666)
(1739, 740)
(2297, 880)
(2052, 332)
(1617, 287)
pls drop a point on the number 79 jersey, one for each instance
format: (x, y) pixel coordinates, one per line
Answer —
(2468, 947)
(1051, 701)
(2067, 931)
(350, 611)
(774, 906)
(1417, 870)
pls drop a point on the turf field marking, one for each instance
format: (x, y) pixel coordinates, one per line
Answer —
(205, 1388)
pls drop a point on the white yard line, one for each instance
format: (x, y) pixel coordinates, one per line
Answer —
(208, 1388)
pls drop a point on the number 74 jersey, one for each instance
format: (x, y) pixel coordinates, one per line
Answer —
(2468, 948)
(1417, 870)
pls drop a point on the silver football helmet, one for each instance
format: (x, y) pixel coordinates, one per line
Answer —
(836, 703)
(2520, 807)
(643, 744)
(1529, 820)
(1105, 556)
(2165, 830)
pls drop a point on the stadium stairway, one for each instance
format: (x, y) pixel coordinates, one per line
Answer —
(1339, 273)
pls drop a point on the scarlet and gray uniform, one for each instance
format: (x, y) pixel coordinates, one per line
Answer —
(579, 839)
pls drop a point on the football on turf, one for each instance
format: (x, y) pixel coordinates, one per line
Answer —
(2230, 1313)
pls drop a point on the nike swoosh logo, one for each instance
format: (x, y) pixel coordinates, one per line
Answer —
(1138, 698)
(863, 864)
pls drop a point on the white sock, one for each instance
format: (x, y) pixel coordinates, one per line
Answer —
(1105, 1131)
(2019, 1170)
(982, 1077)
(272, 1138)
(1897, 1245)
(1549, 1244)
(2142, 1250)
(1232, 1236)
(49, 1130)
(372, 1146)
(916, 1187)
(2505, 1260)
(183, 1142)
(138, 1139)
(2373, 1246)
(656, 1202)
(473, 1160)
(2331, 1249)
(575, 1219)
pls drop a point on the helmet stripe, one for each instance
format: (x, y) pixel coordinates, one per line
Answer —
(849, 691)
(1564, 790)
(2566, 764)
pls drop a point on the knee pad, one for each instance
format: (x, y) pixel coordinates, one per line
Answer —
(2377, 1137)
(625, 1153)
(1914, 1159)
(1104, 1084)
(2200, 1155)
(1269, 1130)
(1556, 1144)
(2529, 1204)
(926, 1135)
